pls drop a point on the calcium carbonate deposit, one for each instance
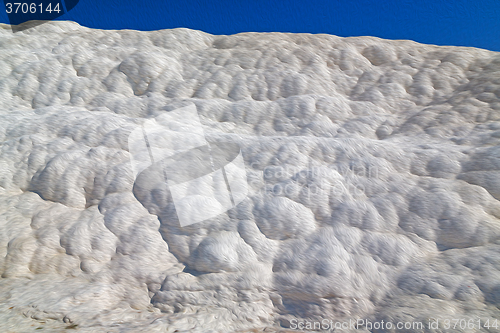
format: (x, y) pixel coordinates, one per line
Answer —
(372, 195)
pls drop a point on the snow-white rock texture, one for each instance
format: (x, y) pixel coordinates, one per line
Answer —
(373, 171)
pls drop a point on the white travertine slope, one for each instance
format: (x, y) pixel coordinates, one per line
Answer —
(373, 167)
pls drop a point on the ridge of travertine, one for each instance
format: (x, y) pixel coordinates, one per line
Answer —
(373, 167)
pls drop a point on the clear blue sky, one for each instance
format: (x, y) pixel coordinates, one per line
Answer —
(451, 22)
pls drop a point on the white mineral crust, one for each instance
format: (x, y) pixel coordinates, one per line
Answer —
(373, 172)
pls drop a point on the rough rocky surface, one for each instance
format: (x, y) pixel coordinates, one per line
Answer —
(373, 169)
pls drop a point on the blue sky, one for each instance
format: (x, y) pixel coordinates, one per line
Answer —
(452, 22)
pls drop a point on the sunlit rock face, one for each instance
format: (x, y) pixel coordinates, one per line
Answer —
(372, 166)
